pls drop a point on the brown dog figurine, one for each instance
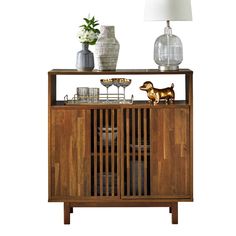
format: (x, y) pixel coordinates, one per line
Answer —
(155, 94)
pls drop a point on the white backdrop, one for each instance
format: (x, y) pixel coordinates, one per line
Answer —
(37, 36)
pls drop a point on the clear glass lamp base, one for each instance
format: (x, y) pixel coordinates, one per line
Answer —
(168, 50)
(166, 67)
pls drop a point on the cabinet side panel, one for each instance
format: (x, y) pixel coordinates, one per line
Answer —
(51, 89)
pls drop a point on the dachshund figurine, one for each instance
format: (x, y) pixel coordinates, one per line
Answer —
(155, 94)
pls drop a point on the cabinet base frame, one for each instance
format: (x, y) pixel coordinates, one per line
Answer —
(173, 207)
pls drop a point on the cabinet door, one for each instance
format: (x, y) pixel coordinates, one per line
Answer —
(69, 164)
(170, 153)
(105, 153)
(155, 153)
(135, 152)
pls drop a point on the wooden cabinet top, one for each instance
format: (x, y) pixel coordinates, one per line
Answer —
(117, 72)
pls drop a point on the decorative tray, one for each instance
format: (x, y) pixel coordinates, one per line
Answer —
(102, 99)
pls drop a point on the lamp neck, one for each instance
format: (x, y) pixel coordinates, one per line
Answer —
(168, 23)
(168, 29)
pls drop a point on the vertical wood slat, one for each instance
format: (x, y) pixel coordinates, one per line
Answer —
(106, 156)
(64, 176)
(88, 152)
(139, 154)
(112, 153)
(128, 150)
(122, 152)
(133, 152)
(95, 151)
(118, 150)
(80, 155)
(145, 149)
(101, 153)
(156, 149)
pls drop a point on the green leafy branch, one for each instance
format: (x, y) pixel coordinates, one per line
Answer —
(90, 25)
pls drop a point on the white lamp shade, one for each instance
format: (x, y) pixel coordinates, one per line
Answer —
(163, 10)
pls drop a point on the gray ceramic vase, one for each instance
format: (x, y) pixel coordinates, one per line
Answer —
(107, 49)
(85, 59)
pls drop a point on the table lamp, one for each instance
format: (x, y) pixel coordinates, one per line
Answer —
(168, 49)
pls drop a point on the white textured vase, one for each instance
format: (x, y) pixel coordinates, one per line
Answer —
(107, 49)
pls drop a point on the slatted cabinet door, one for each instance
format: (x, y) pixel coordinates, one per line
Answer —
(135, 152)
(69, 176)
(155, 153)
(105, 153)
(170, 153)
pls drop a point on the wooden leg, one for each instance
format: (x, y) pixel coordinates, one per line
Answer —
(174, 209)
(71, 209)
(170, 210)
(66, 213)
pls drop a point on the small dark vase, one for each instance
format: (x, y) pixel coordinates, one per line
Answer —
(85, 59)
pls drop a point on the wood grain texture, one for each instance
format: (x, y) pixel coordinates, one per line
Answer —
(113, 152)
(107, 153)
(95, 141)
(122, 151)
(117, 72)
(67, 210)
(189, 94)
(170, 152)
(136, 167)
(81, 164)
(174, 211)
(101, 152)
(52, 83)
(128, 203)
(133, 121)
(128, 157)
(119, 152)
(139, 154)
(136, 104)
(104, 155)
(69, 168)
(145, 143)
(160, 198)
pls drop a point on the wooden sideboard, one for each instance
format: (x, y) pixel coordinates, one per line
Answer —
(120, 155)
